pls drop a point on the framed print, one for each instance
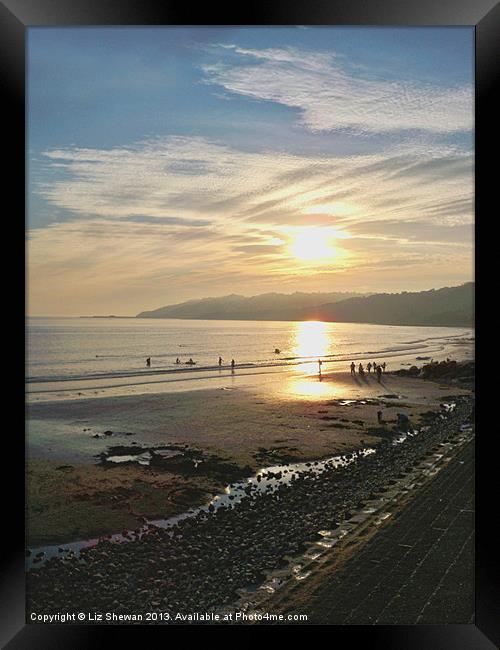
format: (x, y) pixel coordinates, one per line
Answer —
(250, 389)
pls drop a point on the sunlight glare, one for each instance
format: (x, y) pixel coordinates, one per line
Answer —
(313, 244)
(311, 388)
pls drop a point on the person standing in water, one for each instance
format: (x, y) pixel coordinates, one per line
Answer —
(232, 365)
(220, 362)
(369, 367)
(383, 366)
(361, 370)
(379, 373)
(148, 362)
(353, 368)
(320, 363)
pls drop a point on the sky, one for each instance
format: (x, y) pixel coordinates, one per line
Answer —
(167, 164)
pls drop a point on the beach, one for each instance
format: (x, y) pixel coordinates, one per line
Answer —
(223, 475)
(205, 560)
(154, 441)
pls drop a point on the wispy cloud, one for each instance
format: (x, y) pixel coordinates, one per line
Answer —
(332, 95)
(235, 212)
(169, 221)
(205, 183)
(248, 147)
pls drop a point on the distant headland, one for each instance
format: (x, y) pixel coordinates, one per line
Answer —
(448, 306)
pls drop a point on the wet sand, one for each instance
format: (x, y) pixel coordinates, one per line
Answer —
(234, 430)
(77, 502)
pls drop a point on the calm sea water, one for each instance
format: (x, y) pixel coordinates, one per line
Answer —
(75, 348)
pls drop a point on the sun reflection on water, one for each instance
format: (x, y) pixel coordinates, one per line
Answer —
(312, 340)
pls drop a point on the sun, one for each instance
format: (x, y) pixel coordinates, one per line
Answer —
(313, 244)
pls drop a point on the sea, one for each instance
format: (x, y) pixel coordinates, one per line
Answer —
(72, 349)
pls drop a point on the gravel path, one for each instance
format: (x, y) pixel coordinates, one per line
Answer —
(418, 569)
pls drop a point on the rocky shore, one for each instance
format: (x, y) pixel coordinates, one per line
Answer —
(447, 371)
(199, 564)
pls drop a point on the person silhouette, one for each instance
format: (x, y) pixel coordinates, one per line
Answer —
(353, 368)
(403, 421)
(369, 367)
(361, 370)
(379, 373)
(220, 362)
(232, 364)
(148, 362)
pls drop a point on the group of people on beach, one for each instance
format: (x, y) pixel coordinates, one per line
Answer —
(190, 362)
(377, 368)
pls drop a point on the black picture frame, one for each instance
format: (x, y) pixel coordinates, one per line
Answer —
(15, 17)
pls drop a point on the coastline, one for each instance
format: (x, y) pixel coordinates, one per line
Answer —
(121, 374)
